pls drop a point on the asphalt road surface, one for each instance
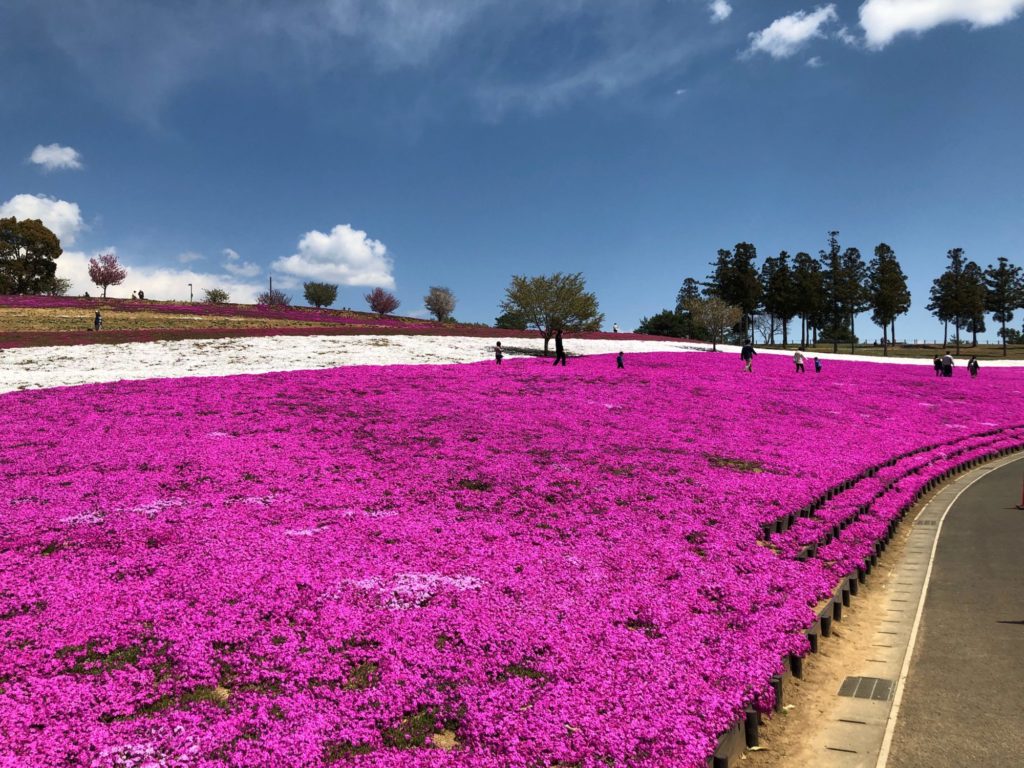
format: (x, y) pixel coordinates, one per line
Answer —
(963, 704)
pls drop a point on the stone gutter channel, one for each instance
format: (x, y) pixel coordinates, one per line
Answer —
(855, 737)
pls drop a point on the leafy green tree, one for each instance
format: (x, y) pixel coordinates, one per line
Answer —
(667, 323)
(1004, 293)
(548, 303)
(512, 321)
(440, 302)
(28, 256)
(844, 274)
(715, 317)
(780, 293)
(888, 295)
(320, 294)
(215, 296)
(810, 289)
(105, 270)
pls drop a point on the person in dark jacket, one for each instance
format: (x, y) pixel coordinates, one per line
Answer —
(972, 367)
(498, 353)
(559, 349)
(747, 356)
(937, 363)
(618, 361)
(97, 321)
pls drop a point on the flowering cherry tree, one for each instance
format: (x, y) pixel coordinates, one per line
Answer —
(105, 270)
(382, 302)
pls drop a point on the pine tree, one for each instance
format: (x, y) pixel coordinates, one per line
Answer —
(888, 295)
(780, 292)
(1004, 292)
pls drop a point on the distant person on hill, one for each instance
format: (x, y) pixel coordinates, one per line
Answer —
(618, 361)
(615, 327)
(133, 295)
(747, 356)
(972, 367)
(947, 365)
(798, 361)
(97, 321)
(559, 349)
(498, 353)
(937, 362)
(141, 295)
(85, 295)
(817, 365)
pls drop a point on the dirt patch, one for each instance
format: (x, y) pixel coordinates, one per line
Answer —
(66, 319)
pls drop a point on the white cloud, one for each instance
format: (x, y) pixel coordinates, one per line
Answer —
(64, 219)
(883, 20)
(345, 256)
(814, 62)
(54, 157)
(157, 282)
(720, 10)
(237, 267)
(845, 36)
(784, 37)
(189, 256)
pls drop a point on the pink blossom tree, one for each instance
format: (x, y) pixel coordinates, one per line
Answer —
(105, 270)
(382, 302)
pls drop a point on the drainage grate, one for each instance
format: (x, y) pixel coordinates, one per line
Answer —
(875, 688)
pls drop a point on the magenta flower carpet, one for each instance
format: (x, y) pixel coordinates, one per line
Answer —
(463, 565)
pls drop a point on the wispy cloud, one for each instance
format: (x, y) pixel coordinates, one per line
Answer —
(189, 256)
(54, 157)
(814, 62)
(787, 35)
(500, 55)
(720, 10)
(237, 267)
(883, 20)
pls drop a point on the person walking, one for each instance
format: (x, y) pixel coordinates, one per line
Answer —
(618, 361)
(947, 365)
(972, 366)
(559, 349)
(817, 365)
(937, 362)
(747, 356)
(498, 353)
(97, 321)
(798, 360)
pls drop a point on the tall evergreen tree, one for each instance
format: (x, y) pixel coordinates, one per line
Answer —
(974, 300)
(843, 278)
(736, 281)
(888, 295)
(1004, 292)
(956, 295)
(809, 287)
(854, 289)
(780, 292)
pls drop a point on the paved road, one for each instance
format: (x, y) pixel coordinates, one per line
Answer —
(963, 704)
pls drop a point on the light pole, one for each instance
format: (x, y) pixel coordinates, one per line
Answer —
(190, 293)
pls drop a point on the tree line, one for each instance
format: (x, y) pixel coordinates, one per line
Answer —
(826, 295)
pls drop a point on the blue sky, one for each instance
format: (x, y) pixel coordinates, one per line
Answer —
(413, 143)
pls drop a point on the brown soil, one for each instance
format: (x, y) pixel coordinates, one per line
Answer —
(784, 737)
(70, 319)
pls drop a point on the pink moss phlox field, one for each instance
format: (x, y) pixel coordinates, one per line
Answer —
(439, 566)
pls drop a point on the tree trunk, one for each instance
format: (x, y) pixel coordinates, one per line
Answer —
(104, 291)
(547, 338)
(885, 341)
(956, 333)
(893, 334)
(785, 332)
(853, 335)
(1004, 338)
(945, 333)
